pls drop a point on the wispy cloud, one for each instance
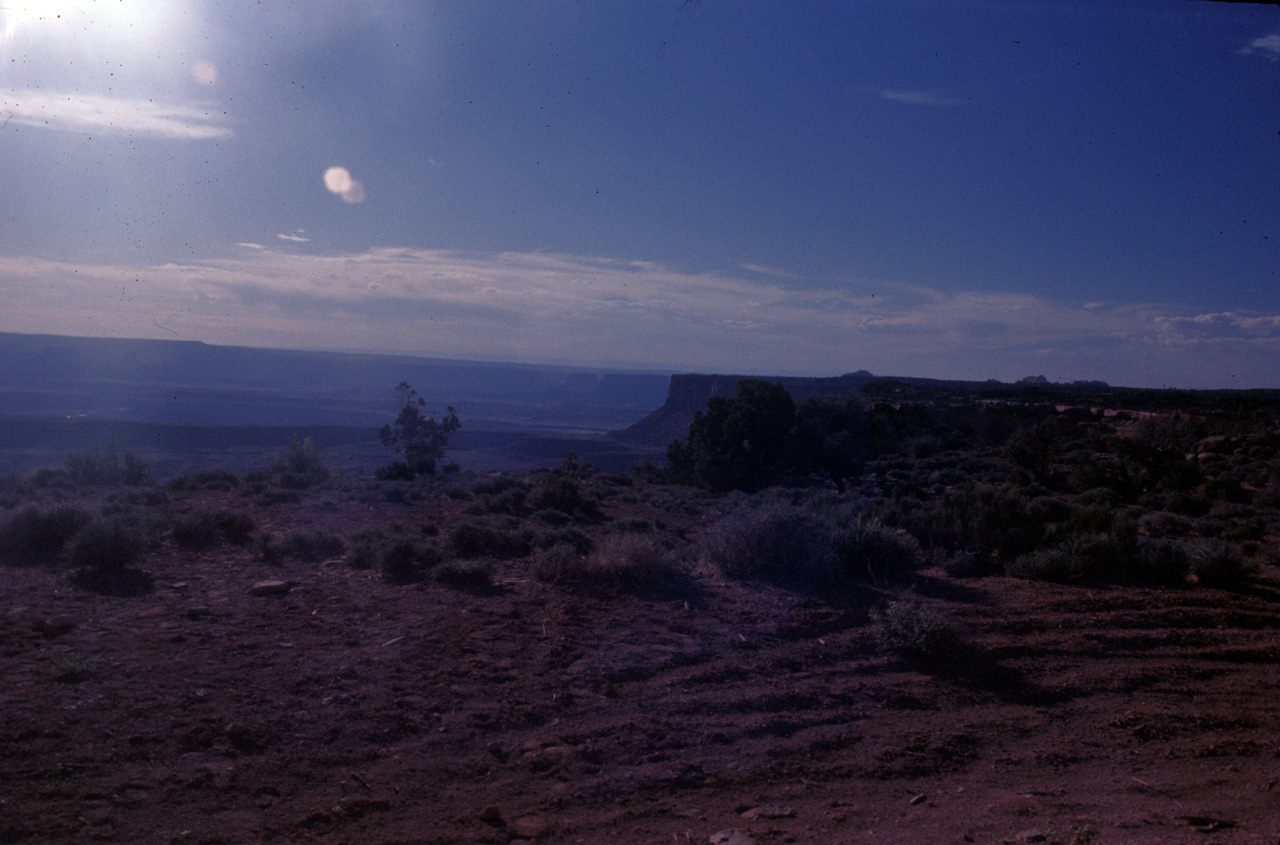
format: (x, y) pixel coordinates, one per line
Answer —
(296, 236)
(768, 271)
(919, 97)
(1268, 46)
(76, 112)
(545, 307)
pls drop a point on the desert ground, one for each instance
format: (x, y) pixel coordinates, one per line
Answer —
(280, 676)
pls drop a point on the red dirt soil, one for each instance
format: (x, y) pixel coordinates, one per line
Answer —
(350, 710)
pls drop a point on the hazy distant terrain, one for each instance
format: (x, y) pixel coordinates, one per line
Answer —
(182, 404)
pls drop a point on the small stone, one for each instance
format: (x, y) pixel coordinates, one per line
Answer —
(919, 799)
(775, 812)
(55, 626)
(530, 827)
(270, 588)
(731, 836)
(492, 815)
(1033, 834)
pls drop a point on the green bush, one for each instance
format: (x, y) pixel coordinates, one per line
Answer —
(976, 519)
(581, 543)
(770, 542)
(556, 563)
(106, 546)
(205, 479)
(311, 545)
(1212, 563)
(196, 530)
(467, 573)
(403, 561)
(33, 536)
(1074, 557)
(872, 551)
(472, 540)
(106, 466)
(736, 444)
(912, 630)
(365, 547)
(421, 439)
(495, 485)
(619, 562)
(299, 467)
(560, 493)
(1158, 561)
(236, 527)
(202, 529)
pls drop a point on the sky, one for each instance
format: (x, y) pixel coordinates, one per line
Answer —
(944, 188)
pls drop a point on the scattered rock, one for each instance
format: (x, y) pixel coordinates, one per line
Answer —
(731, 836)
(55, 626)
(1033, 834)
(769, 813)
(491, 815)
(919, 799)
(270, 588)
(241, 737)
(355, 808)
(530, 827)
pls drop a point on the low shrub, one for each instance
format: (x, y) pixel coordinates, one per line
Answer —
(205, 479)
(403, 561)
(619, 562)
(106, 466)
(106, 546)
(1074, 557)
(912, 630)
(770, 542)
(1164, 524)
(495, 485)
(365, 547)
(202, 529)
(298, 467)
(1212, 563)
(1159, 561)
(572, 537)
(560, 493)
(51, 477)
(272, 496)
(33, 536)
(472, 540)
(553, 517)
(973, 518)
(870, 550)
(394, 471)
(468, 573)
(508, 501)
(311, 546)
(196, 530)
(556, 563)
(633, 526)
(236, 527)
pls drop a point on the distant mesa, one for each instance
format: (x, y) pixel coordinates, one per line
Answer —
(1032, 380)
(688, 394)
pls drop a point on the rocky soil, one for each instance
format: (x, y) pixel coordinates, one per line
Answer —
(339, 708)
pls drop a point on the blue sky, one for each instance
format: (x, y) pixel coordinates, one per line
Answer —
(950, 189)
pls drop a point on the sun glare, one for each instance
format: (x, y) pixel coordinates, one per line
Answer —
(130, 19)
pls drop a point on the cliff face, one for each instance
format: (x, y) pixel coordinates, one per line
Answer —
(688, 394)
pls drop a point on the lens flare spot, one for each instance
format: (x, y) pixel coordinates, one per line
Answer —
(206, 73)
(338, 180)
